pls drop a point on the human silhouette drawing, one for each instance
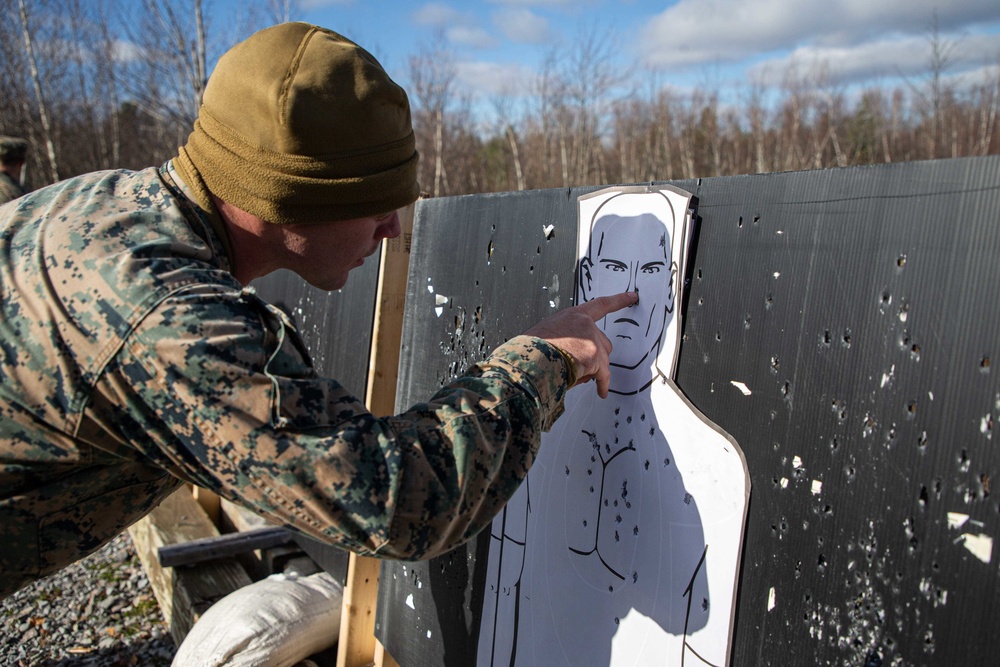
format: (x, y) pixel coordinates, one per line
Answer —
(623, 545)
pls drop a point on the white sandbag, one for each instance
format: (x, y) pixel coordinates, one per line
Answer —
(275, 622)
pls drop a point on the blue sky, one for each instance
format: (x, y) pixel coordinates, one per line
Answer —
(498, 45)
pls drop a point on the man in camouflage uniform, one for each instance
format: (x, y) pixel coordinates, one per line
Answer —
(13, 153)
(135, 357)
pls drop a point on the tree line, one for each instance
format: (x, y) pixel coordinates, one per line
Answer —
(100, 84)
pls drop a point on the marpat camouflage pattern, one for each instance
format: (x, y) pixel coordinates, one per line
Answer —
(134, 361)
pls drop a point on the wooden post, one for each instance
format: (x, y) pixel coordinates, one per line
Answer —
(357, 625)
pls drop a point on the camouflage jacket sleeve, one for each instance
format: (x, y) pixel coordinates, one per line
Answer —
(221, 388)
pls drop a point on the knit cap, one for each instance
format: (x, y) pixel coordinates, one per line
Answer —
(300, 124)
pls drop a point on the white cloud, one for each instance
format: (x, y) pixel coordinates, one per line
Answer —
(436, 14)
(887, 58)
(522, 26)
(486, 78)
(738, 29)
(470, 36)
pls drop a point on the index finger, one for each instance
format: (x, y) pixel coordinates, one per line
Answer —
(602, 305)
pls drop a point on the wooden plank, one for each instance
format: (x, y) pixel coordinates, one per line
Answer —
(357, 620)
(210, 502)
(184, 594)
(357, 625)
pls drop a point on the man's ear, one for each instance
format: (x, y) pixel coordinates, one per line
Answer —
(671, 289)
(586, 279)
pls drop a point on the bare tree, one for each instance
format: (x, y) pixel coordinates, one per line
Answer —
(36, 79)
(432, 75)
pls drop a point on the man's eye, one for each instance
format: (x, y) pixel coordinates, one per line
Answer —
(614, 267)
(651, 269)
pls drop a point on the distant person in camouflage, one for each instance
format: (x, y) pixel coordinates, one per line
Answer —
(135, 357)
(13, 154)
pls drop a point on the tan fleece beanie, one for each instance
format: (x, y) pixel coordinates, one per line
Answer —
(299, 124)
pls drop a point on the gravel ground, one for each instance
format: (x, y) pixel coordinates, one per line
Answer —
(97, 612)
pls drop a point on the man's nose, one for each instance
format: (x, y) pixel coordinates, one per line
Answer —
(390, 229)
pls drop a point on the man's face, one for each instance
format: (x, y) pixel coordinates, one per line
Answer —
(631, 254)
(324, 253)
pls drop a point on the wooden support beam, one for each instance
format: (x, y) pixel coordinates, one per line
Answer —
(357, 624)
(184, 593)
(210, 502)
(357, 620)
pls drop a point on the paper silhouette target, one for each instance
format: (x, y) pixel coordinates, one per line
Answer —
(623, 546)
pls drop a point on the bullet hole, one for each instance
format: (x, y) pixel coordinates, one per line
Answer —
(756, 219)
(739, 224)
(567, 471)
(489, 249)
(873, 660)
(963, 460)
(478, 315)
(984, 485)
(869, 426)
(886, 300)
(611, 589)
(646, 465)
(531, 269)
(901, 261)
(850, 472)
(846, 339)
(718, 336)
(915, 352)
(786, 390)
(911, 409)
(701, 301)
(834, 444)
(775, 363)
(698, 275)
(821, 563)
(538, 251)
(922, 441)
(923, 498)
(839, 410)
(617, 621)
(504, 269)
(768, 301)
(984, 364)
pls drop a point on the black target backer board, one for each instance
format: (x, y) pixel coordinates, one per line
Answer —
(843, 326)
(337, 330)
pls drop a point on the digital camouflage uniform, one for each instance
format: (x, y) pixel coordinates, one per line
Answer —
(133, 360)
(9, 188)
